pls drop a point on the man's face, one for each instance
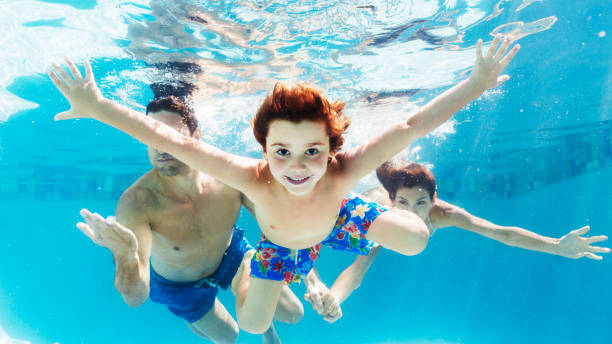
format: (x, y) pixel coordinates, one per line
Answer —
(165, 163)
(297, 154)
(415, 199)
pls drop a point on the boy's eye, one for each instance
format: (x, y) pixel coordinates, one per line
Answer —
(282, 152)
(403, 202)
(421, 202)
(312, 151)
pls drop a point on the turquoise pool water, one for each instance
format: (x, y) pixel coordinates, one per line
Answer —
(535, 152)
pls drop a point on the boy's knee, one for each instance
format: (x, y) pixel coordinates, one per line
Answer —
(253, 327)
(295, 314)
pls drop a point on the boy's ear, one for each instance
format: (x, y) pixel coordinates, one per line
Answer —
(435, 195)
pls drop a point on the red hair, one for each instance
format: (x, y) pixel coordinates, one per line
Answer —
(300, 103)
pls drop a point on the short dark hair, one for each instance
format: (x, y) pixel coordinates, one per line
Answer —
(404, 174)
(177, 105)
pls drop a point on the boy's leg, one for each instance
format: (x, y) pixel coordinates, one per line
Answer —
(217, 325)
(289, 309)
(399, 230)
(240, 288)
(262, 295)
(256, 303)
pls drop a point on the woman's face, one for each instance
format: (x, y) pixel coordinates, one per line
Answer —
(414, 199)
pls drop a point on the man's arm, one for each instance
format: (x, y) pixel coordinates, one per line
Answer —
(132, 271)
(571, 245)
(86, 100)
(485, 75)
(130, 246)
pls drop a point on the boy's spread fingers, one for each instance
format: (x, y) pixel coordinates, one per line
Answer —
(57, 82)
(504, 62)
(73, 68)
(493, 46)
(503, 79)
(62, 73)
(88, 71)
(479, 50)
(502, 50)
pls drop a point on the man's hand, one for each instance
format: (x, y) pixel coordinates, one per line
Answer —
(573, 245)
(108, 233)
(323, 301)
(485, 73)
(81, 93)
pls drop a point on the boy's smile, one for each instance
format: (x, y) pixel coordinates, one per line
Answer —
(297, 154)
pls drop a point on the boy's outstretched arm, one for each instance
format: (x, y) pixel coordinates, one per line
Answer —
(86, 100)
(484, 75)
(571, 245)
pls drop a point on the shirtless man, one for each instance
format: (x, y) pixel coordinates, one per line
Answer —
(180, 222)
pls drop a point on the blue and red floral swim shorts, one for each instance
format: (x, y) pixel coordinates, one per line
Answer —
(274, 262)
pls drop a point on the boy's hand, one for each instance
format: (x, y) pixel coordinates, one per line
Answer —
(81, 93)
(573, 245)
(485, 73)
(108, 233)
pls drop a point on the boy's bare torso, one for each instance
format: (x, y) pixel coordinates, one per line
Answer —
(190, 232)
(298, 222)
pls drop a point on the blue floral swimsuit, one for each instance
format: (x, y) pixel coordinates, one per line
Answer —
(274, 262)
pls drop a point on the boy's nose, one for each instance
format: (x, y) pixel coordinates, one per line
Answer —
(298, 165)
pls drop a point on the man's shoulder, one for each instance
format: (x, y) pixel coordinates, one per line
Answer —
(140, 194)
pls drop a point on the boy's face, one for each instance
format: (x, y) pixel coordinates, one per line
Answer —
(415, 199)
(297, 154)
(165, 163)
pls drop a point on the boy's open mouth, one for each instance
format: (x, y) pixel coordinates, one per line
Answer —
(297, 181)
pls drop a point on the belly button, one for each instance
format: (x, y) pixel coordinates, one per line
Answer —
(272, 227)
(176, 248)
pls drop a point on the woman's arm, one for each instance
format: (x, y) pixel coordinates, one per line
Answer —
(327, 301)
(571, 245)
(350, 279)
(86, 100)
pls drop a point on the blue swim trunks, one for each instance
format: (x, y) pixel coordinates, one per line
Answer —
(192, 300)
(274, 262)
